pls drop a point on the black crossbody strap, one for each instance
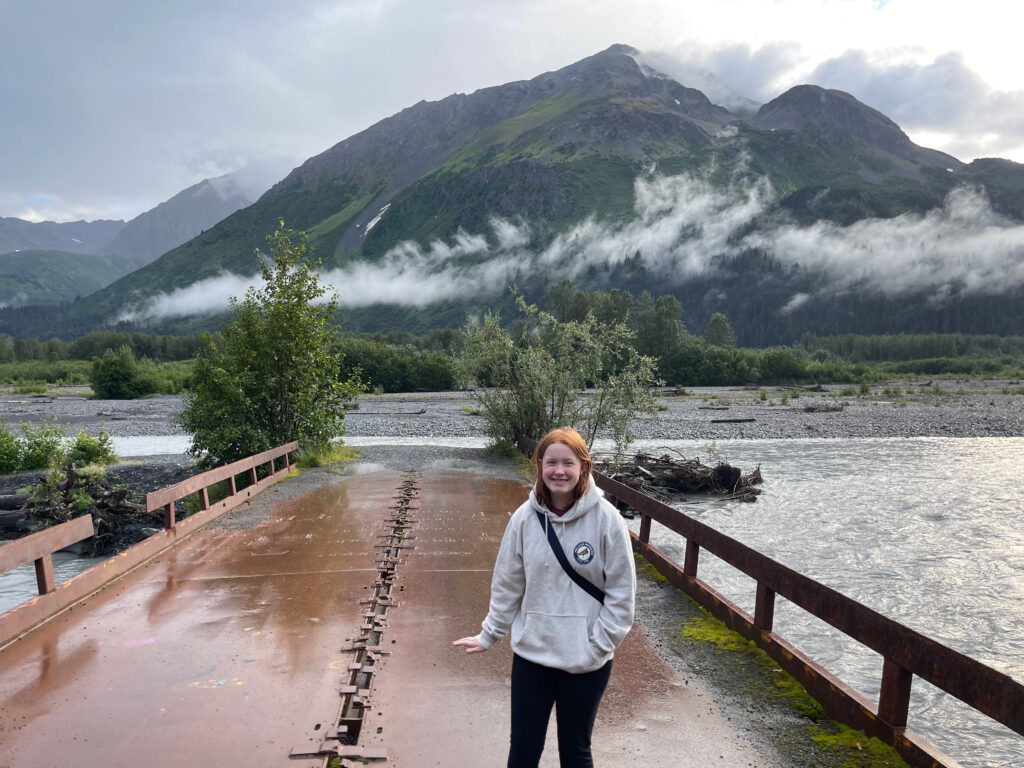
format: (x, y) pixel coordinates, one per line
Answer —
(556, 546)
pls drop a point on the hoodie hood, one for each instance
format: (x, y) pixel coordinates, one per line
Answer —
(584, 504)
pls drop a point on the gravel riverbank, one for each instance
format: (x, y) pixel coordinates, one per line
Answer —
(940, 408)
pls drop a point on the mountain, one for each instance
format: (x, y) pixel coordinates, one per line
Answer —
(48, 263)
(177, 220)
(55, 277)
(616, 175)
(71, 237)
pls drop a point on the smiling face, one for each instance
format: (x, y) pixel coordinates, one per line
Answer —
(560, 471)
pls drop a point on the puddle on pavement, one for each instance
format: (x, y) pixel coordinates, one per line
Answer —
(361, 468)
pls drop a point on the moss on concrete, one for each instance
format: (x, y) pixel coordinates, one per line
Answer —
(864, 752)
(850, 748)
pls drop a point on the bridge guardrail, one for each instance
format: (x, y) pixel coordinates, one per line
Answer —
(55, 598)
(905, 652)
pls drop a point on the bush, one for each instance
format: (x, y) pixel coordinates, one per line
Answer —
(532, 383)
(86, 449)
(782, 365)
(117, 376)
(43, 444)
(11, 449)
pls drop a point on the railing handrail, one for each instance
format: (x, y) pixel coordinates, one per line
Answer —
(27, 549)
(172, 493)
(950, 670)
(20, 619)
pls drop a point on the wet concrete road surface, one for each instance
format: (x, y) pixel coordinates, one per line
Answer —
(233, 648)
(223, 651)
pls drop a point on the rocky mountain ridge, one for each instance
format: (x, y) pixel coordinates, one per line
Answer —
(542, 157)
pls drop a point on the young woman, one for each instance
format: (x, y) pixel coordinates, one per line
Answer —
(562, 634)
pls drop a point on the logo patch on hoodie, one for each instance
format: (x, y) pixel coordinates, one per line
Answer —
(583, 553)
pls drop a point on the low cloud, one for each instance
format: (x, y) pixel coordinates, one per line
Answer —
(682, 225)
(205, 297)
(964, 245)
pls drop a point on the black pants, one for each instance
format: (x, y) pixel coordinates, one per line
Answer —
(576, 698)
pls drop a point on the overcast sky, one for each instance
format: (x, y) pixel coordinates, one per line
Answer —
(109, 107)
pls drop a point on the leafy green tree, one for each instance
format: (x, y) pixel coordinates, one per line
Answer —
(659, 325)
(561, 300)
(782, 364)
(718, 331)
(534, 382)
(118, 376)
(270, 375)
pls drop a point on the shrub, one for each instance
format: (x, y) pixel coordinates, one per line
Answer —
(11, 449)
(30, 388)
(782, 364)
(117, 376)
(42, 444)
(86, 449)
(532, 383)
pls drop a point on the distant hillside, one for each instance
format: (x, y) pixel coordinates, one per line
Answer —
(615, 175)
(71, 237)
(55, 277)
(177, 220)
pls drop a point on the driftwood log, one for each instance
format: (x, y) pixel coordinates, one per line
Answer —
(667, 478)
(118, 522)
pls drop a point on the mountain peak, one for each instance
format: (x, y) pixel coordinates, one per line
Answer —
(620, 48)
(838, 116)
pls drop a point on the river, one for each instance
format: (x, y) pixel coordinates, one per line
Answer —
(927, 531)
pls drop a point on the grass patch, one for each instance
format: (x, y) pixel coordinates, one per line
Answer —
(337, 453)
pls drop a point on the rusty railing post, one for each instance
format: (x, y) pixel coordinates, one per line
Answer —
(690, 563)
(44, 574)
(645, 529)
(764, 609)
(232, 490)
(204, 498)
(894, 700)
(169, 516)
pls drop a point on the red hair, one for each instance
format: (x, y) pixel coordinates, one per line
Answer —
(569, 437)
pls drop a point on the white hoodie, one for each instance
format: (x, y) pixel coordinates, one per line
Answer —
(552, 621)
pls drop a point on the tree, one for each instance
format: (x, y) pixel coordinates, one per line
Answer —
(660, 331)
(117, 376)
(718, 332)
(534, 382)
(270, 377)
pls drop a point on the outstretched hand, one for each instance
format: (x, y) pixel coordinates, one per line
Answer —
(471, 643)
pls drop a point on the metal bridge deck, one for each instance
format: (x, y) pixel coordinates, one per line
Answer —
(233, 647)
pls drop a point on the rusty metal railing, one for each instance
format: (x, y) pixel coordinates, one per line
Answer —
(38, 547)
(905, 653)
(165, 498)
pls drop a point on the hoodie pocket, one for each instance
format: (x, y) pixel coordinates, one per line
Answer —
(563, 640)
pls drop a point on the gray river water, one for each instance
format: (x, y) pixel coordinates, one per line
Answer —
(927, 531)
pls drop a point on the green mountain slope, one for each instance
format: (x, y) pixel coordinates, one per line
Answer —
(564, 148)
(55, 277)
